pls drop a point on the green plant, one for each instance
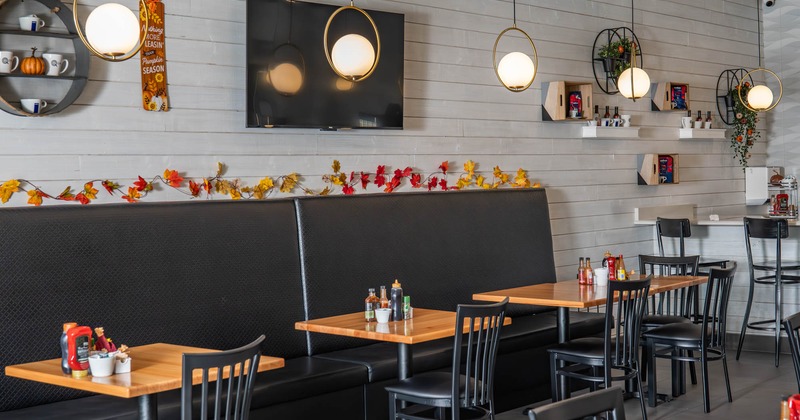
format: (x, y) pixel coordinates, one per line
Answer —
(618, 55)
(744, 133)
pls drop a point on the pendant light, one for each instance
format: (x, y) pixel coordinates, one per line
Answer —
(760, 97)
(353, 57)
(516, 70)
(634, 82)
(112, 30)
(287, 69)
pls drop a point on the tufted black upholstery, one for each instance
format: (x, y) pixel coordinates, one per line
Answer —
(443, 247)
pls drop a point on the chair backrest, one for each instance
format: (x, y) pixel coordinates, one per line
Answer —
(232, 395)
(715, 308)
(762, 228)
(476, 351)
(791, 324)
(589, 404)
(675, 302)
(623, 322)
(672, 228)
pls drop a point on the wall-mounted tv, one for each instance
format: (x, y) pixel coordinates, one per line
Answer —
(291, 84)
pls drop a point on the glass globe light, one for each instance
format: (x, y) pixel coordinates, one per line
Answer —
(641, 83)
(286, 78)
(759, 97)
(112, 29)
(353, 55)
(516, 70)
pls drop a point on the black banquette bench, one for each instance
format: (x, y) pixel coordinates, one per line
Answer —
(217, 274)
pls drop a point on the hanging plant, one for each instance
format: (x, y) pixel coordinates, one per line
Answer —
(616, 56)
(744, 133)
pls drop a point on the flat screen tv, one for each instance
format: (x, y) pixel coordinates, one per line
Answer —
(291, 84)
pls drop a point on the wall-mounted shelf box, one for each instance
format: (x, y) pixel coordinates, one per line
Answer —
(669, 96)
(655, 169)
(610, 132)
(555, 100)
(701, 133)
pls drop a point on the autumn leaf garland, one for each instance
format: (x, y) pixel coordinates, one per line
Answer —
(339, 179)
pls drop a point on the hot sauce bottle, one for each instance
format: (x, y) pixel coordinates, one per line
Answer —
(589, 272)
(370, 304)
(581, 272)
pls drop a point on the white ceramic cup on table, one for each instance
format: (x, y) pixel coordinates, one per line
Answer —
(54, 62)
(31, 23)
(6, 58)
(33, 106)
(601, 276)
(102, 364)
(383, 315)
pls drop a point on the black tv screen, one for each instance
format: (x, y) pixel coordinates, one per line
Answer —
(291, 84)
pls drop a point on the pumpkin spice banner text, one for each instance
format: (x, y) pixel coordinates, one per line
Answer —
(154, 59)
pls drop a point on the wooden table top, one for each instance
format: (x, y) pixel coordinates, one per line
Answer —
(570, 294)
(156, 368)
(427, 325)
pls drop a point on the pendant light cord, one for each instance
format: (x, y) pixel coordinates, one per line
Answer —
(758, 19)
(515, 13)
(631, 15)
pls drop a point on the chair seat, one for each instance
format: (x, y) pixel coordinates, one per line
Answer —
(676, 332)
(588, 347)
(771, 264)
(653, 321)
(430, 386)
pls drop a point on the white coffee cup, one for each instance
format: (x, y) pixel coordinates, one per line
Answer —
(601, 276)
(698, 124)
(686, 122)
(383, 315)
(54, 62)
(31, 23)
(6, 57)
(33, 106)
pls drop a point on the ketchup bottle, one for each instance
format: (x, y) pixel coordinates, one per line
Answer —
(78, 339)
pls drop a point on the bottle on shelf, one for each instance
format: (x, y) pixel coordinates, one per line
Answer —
(384, 301)
(607, 115)
(589, 272)
(708, 120)
(698, 122)
(597, 114)
(397, 301)
(621, 273)
(581, 271)
(616, 112)
(370, 304)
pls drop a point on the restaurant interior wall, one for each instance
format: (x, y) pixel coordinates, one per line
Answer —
(454, 110)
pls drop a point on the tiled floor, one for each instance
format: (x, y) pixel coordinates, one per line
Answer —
(756, 383)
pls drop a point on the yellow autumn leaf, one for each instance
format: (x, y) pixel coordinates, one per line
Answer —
(289, 182)
(247, 190)
(336, 166)
(463, 183)
(89, 191)
(8, 189)
(35, 198)
(496, 185)
(309, 191)
(497, 172)
(266, 184)
(537, 185)
(503, 178)
(223, 186)
(235, 194)
(326, 191)
(469, 168)
(521, 180)
(337, 180)
(479, 180)
(220, 169)
(486, 186)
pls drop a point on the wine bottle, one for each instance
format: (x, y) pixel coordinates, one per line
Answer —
(606, 115)
(708, 120)
(597, 115)
(616, 112)
(698, 122)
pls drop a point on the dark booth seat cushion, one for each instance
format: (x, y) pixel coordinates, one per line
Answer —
(98, 407)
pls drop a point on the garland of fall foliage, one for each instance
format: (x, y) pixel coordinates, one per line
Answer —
(338, 180)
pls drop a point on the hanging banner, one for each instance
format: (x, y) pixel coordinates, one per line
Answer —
(154, 59)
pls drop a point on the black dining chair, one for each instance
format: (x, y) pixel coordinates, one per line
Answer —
(670, 307)
(681, 229)
(791, 325)
(470, 392)
(232, 394)
(613, 357)
(607, 402)
(766, 230)
(707, 338)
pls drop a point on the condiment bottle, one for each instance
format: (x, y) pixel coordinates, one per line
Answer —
(785, 408)
(65, 347)
(589, 272)
(407, 311)
(370, 304)
(611, 262)
(384, 299)
(581, 272)
(397, 301)
(621, 273)
(78, 340)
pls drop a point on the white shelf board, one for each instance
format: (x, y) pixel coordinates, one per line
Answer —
(701, 133)
(610, 132)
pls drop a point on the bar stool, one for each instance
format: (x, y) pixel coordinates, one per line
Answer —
(681, 228)
(777, 229)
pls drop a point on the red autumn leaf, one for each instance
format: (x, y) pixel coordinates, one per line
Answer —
(348, 189)
(194, 188)
(398, 174)
(444, 166)
(380, 180)
(82, 198)
(415, 180)
(407, 171)
(141, 184)
(432, 183)
(364, 180)
(207, 185)
(110, 186)
(443, 184)
(66, 195)
(132, 196)
(352, 176)
(381, 170)
(173, 179)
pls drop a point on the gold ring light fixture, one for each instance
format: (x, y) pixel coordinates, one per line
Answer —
(353, 57)
(516, 70)
(760, 97)
(112, 30)
(634, 82)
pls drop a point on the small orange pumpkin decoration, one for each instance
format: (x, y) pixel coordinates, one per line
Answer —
(32, 64)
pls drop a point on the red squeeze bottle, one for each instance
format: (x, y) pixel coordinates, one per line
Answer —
(78, 339)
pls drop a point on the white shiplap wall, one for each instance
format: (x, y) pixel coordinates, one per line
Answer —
(455, 110)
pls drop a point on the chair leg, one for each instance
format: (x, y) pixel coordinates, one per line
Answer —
(651, 375)
(641, 397)
(676, 367)
(554, 378)
(692, 370)
(778, 318)
(392, 406)
(593, 385)
(704, 371)
(745, 320)
(727, 379)
(645, 360)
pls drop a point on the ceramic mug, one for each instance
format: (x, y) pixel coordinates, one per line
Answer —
(54, 62)
(31, 23)
(626, 120)
(605, 122)
(686, 122)
(601, 276)
(6, 57)
(33, 106)
(698, 124)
